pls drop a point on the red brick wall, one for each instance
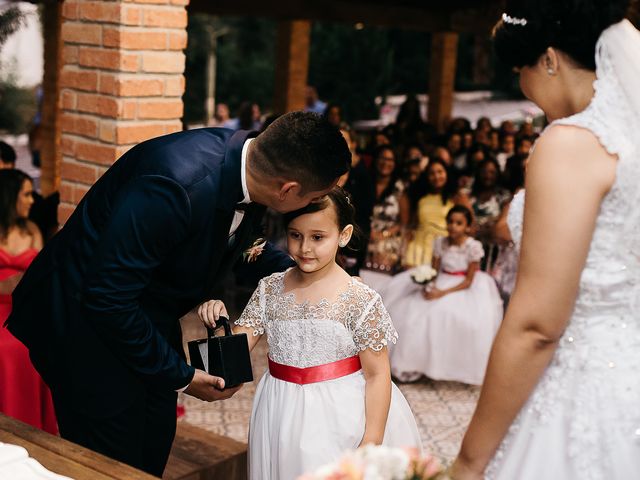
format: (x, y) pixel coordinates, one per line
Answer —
(121, 83)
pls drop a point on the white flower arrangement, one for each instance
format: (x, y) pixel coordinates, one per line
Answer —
(377, 462)
(423, 274)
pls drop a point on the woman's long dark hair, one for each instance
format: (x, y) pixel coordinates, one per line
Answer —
(395, 176)
(11, 181)
(477, 187)
(422, 187)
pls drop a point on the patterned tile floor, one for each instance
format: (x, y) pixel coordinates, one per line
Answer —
(442, 409)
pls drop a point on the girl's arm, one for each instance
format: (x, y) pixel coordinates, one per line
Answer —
(405, 210)
(466, 283)
(377, 374)
(211, 310)
(558, 227)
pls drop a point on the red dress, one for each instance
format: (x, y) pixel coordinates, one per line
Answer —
(23, 394)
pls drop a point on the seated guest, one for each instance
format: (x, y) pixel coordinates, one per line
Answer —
(446, 327)
(390, 214)
(7, 156)
(431, 197)
(23, 394)
(487, 199)
(357, 182)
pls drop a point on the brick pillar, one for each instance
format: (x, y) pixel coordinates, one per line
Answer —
(121, 82)
(444, 51)
(50, 124)
(292, 65)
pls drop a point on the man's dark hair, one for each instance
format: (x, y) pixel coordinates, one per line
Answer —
(7, 153)
(303, 147)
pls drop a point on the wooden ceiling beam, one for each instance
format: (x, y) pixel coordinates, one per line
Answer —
(426, 15)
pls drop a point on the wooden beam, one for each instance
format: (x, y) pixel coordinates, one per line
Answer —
(378, 14)
(292, 65)
(444, 52)
(50, 154)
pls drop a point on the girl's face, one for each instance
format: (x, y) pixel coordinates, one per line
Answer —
(386, 163)
(313, 239)
(25, 199)
(437, 176)
(457, 226)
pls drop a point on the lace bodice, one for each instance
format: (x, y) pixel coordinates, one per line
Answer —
(305, 335)
(454, 258)
(599, 353)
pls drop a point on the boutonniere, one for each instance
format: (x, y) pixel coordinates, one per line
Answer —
(251, 254)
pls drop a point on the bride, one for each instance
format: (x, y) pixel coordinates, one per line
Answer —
(561, 398)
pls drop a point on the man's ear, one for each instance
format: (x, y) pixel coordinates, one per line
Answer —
(288, 188)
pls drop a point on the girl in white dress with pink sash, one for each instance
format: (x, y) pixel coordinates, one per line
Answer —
(328, 388)
(448, 327)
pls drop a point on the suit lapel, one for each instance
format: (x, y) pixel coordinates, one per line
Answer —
(229, 194)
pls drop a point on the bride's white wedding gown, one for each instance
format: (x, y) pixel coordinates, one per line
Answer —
(583, 419)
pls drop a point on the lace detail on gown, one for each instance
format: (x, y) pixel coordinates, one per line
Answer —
(304, 335)
(592, 380)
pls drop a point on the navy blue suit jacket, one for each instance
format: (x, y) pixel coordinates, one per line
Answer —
(99, 307)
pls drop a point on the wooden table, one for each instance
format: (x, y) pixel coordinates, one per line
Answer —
(63, 457)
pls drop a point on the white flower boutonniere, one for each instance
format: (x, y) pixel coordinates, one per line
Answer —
(251, 254)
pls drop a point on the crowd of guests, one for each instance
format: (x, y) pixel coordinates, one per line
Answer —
(405, 181)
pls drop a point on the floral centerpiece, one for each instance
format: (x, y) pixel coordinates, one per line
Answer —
(377, 462)
(423, 274)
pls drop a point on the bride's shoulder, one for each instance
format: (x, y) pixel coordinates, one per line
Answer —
(570, 141)
(570, 151)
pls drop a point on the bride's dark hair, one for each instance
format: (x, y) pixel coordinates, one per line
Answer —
(572, 26)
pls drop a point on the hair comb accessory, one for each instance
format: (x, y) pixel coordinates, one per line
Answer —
(514, 20)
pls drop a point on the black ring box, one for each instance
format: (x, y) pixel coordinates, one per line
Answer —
(225, 356)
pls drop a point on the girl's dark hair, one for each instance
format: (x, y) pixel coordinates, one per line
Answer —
(475, 190)
(342, 205)
(11, 181)
(460, 209)
(572, 26)
(421, 186)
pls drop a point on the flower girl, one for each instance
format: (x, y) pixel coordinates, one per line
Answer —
(328, 388)
(448, 325)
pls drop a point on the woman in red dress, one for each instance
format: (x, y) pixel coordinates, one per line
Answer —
(23, 394)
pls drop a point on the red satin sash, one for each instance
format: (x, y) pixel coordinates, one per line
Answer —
(319, 373)
(462, 273)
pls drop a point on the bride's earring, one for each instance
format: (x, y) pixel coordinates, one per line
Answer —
(551, 71)
(342, 244)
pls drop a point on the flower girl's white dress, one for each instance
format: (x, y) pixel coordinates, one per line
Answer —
(296, 428)
(448, 338)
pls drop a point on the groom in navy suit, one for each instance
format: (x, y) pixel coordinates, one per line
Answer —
(99, 307)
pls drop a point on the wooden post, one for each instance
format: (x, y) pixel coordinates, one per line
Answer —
(292, 65)
(50, 124)
(444, 50)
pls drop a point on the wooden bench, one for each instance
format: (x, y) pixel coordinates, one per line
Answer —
(64, 457)
(198, 454)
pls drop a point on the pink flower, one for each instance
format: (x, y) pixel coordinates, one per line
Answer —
(251, 254)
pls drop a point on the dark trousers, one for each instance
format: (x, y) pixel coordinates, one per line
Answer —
(141, 435)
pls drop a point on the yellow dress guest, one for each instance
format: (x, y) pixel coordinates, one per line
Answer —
(432, 223)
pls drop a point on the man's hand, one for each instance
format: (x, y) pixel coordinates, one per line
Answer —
(209, 388)
(210, 311)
